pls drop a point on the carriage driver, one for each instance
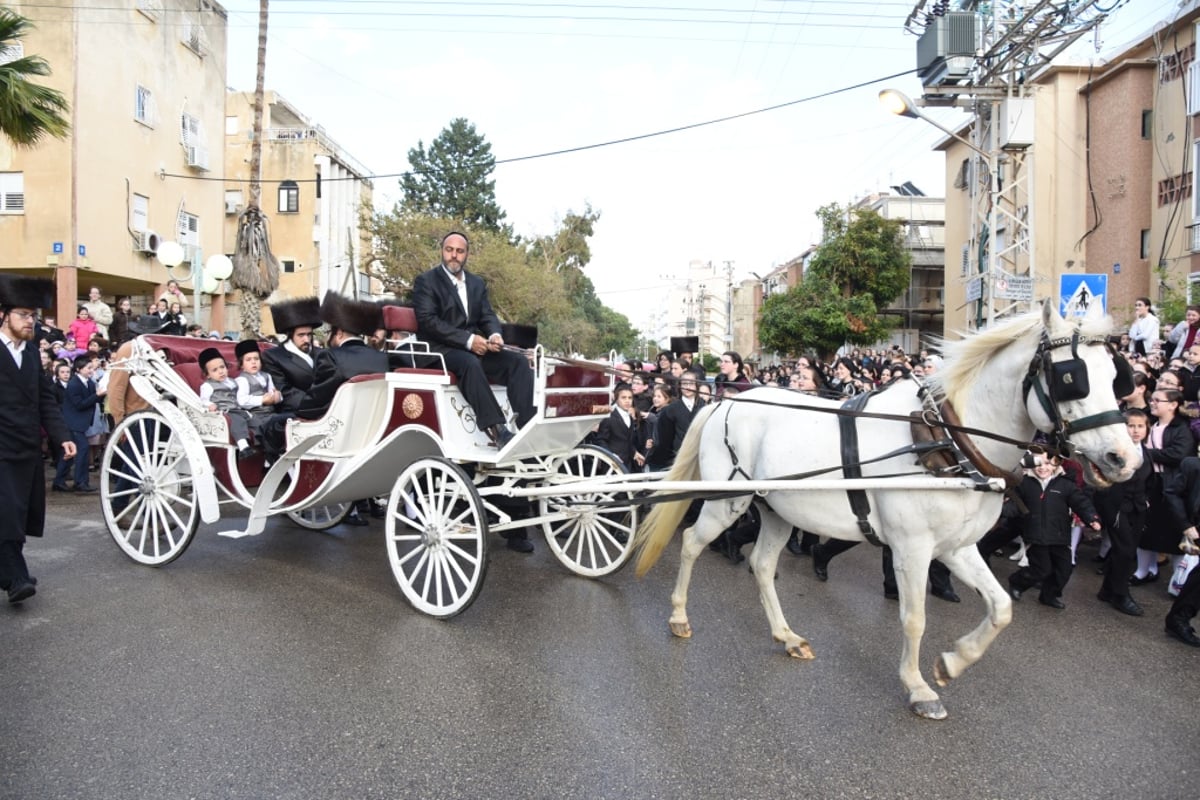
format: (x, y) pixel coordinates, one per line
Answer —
(456, 318)
(291, 364)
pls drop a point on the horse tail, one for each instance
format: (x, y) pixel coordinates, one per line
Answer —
(662, 521)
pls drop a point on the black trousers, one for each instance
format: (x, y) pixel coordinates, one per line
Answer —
(1187, 604)
(12, 564)
(939, 573)
(475, 374)
(1122, 557)
(1049, 567)
(1003, 533)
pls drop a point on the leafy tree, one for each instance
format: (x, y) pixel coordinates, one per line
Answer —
(27, 111)
(859, 268)
(450, 180)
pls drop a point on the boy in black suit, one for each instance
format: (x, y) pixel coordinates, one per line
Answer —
(619, 434)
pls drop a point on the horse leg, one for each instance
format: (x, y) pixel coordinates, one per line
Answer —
(969, 567)
(764, 558)
(714, 518)
(912, 573)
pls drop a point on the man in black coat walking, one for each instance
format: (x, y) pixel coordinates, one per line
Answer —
(27, 406)
(455, 316)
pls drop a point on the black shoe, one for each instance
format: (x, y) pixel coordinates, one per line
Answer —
(85, 489)
(22, 591)
(519, 544)
(244, 453)
(54, 487)
(378, 511)
(793, 544)
(891, 594)
(1053, 602)
(1105, 596)
(820, 563)
(1176, 629)
(499, 435)
(1014, 592)
(949, 595)
(1126, 605)
(1136, 581)
(355, 519)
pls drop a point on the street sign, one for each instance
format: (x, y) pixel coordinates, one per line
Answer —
(974, 289)
(82, 250)
(1078, 293)
(1014, 287)
(57, 248)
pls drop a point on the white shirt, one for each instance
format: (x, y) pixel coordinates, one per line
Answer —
(624, 416)
(460, 285)
(291, 347)
(1144, 329)
(17, 348)
(244, 397)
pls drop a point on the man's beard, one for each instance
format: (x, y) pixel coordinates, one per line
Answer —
(451, 267)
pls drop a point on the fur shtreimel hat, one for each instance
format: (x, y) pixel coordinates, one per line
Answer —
(685, 344)
(291, 314)
(18, 291)
(207, 355)
(525, 336)
(243, 347)
(361, 317)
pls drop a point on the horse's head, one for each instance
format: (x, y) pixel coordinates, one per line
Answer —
(1072, 389)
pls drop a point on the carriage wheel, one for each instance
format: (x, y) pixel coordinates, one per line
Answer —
(591, 541)
(321, 518)
(147, 490)
(437, 537)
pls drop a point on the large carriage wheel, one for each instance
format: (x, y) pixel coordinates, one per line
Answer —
(591, 541)
(437, 537)
(321, 518)
(147, 489)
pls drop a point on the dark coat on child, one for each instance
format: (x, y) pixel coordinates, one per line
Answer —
(1049, 519)
(619, 438)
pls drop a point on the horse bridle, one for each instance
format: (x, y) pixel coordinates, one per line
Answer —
(1068, 380)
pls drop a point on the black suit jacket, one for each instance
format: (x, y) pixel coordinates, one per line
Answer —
(441, 320)
(291, 375)
(335, 366)
(27, 406)
(620, 439)
(79, 408)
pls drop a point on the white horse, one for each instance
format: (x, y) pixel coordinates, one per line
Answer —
(774, 433)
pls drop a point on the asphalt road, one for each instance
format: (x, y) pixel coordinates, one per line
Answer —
(290, 666)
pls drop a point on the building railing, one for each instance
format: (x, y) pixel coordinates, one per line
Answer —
(317, 134)
(1194, 237)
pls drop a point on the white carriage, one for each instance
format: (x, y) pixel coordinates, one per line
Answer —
(407, 435)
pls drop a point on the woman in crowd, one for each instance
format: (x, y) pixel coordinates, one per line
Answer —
(843, 377)
(119, 331)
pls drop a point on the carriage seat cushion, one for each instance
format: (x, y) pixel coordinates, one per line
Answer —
(400, 318)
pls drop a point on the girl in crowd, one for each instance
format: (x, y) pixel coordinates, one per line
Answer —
(1170, 441)
(658, 454)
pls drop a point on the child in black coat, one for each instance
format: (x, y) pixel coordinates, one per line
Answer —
(620, 434)
(1051, 497)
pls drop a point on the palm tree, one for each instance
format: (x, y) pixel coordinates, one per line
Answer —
(255, 268)
(27, 111)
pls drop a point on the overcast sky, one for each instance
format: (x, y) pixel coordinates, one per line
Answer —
(536, 77)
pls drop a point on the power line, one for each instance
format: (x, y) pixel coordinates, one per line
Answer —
(580, 148)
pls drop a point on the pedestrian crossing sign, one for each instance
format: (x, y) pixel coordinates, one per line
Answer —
(1078, 293)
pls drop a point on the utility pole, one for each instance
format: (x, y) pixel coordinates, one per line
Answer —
(728, 305)
(983, 58)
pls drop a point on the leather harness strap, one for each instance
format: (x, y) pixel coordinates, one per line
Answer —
(851, 468)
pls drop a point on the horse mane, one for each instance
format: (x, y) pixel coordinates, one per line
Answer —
(964, 359)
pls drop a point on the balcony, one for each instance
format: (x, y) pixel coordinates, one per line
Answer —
(1194, 237)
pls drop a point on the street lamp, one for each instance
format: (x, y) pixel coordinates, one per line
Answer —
(902, 105)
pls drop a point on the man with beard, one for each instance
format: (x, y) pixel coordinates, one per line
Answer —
(27, 406)
(291, 364)
(455, 316)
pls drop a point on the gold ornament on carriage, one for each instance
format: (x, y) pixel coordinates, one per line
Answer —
(412, 406)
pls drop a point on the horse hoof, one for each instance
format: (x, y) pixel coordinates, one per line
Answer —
(928, 709)
(801, 650)
(681, 629)
(941, 674)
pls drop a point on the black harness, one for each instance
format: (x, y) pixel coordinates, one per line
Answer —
(852, 467)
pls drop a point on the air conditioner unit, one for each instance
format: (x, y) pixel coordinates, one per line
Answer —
(145, 242)
(197, 157)
(192, 254)
(232, 206)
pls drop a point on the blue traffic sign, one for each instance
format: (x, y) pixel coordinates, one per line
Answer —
(1078, 293)
(82, 250)
(57, 248)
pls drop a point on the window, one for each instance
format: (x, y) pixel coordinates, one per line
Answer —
(1144, 249)
(194, 36)
(191, 132)
(289, 197)
(143, 106)
(12, 192)
(1174, 190)
(289, 266)
(231, 126)
(1174, 65)
(1147, 124)
(11, 52)
(139, 213)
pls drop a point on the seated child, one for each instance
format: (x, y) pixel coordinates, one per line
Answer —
(1051, 497)
(256, 393)
(220, 393)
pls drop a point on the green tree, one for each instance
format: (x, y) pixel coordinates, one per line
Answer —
(28, 111)
(859, 268)
(451, 179)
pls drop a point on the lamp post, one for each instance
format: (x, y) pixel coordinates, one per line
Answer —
(901, 104)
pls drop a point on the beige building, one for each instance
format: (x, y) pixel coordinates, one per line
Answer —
(146, 83)
(1110, 169)
(313, 194)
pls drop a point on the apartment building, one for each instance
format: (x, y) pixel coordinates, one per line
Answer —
(146, 83)
(314, 194)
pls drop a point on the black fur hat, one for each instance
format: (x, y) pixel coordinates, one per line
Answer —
(243, 347)
(19, 291)
(525, 336)
(361, 317)
(207, 355)
(685, 344)
(291, 314)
